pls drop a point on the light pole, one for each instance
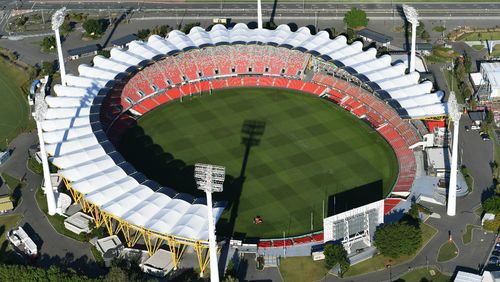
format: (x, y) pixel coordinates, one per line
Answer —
(412, 17)
(454, 114)
(259, 14)
(57, 21)
(210, 178)
(39, 114)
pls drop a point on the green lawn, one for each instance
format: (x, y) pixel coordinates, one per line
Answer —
(14, 107)
(57, 221)
(447, 251)
(8, 222)
(478, 47)
(424, 274)
(379, 262)
(309, 151)
(302, 269)
(11, 181)
(477, 36)
(467, 236)
(496, 51)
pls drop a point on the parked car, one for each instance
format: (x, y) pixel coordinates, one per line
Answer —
(485, 137)
(493, 260)
(496, 253)
(466, 128)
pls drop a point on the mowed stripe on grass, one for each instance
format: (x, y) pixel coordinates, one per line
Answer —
(13, 107)
(309, 150)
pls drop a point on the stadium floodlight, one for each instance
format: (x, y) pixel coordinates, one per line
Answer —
(259, 14)
(39, 114)
(210, 178)
(57, 21)
(455, 115)
(412, 17)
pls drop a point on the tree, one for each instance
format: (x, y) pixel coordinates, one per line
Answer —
(66, 27)
(143, 33)
(270, 25)
(93, 27)
(467, 63)
(187, 27)
(48, 43)
(162, 30)
(425, 35)
(492, 204)
(413, 211)
(355, 18)
(336, 254)
(47, 68)
(398, 238)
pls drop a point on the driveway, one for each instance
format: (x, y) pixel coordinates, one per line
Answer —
(54, 248)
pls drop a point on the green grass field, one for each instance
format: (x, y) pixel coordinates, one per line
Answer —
(308, 151)
(14, 107)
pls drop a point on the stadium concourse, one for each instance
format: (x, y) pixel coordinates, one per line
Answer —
(88, 115)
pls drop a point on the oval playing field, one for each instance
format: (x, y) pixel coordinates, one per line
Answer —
(286, 154)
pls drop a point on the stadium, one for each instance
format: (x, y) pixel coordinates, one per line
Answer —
(95, 134)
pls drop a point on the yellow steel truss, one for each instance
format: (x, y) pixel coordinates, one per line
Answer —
(132, 233)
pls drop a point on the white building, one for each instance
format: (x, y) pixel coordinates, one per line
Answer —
(491, 79)
(438, 161)
(110, 248)
(159, 264)
(78, 223)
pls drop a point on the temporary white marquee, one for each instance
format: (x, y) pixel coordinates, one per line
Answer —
(92, 167)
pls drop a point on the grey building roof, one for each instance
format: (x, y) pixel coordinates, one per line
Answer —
(477, 116)
(420, 46)
(375, 36)
(124, 40)
(84, 50)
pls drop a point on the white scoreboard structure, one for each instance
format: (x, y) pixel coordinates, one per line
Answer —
(354, 225)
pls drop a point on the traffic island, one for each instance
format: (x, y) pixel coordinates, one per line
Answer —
(447, 251)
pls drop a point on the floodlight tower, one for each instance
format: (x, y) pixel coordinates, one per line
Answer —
(455, 114)
(412, 17)
(210, 178)
(259, 14)
(39, 114)
(57, 21)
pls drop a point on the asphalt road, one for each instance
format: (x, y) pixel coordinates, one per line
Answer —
(54, 249)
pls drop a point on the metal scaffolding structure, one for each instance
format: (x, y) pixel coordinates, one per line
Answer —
(134, 234)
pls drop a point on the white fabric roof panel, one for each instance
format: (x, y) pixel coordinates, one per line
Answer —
(107, 177)
(412, 90)
(180, 40)
(62, 123)
(132, 58)
(82, 171)
(142, 49)
(73, 145)
(128, 200)
(79, 157)
(386, 73)
(75, 91)
(65, 102)
(95, 72)
(111, 64)
(161, 45)
(75, 149)
(55, 113)
(81, 81)
(422, 100)
(58, 136)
